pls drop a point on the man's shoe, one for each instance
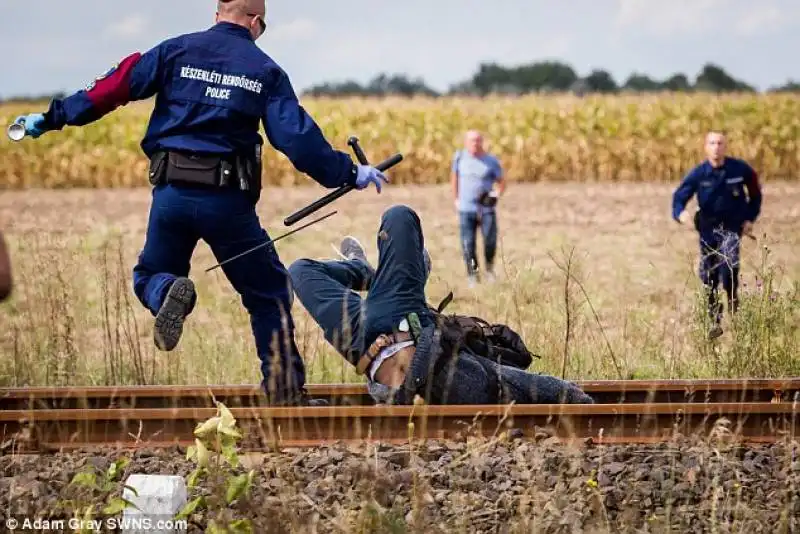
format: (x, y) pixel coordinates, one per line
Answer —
(169, 320)
(472, 280)
(714, 332)
(352, 249)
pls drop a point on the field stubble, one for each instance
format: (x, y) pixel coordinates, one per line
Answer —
(631, 302)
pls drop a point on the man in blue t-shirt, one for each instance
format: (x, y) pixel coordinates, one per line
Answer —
(729, 200)
(474, 173)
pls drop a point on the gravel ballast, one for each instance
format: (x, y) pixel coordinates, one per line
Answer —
(469, 486)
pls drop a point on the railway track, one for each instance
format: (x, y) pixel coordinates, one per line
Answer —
(54, 419)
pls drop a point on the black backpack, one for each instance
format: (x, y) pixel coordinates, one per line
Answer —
(496, 342)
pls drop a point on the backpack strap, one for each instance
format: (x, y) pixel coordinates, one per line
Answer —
(445, 302)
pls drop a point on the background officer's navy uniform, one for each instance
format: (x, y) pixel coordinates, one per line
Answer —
(727, 196)
(212, 88)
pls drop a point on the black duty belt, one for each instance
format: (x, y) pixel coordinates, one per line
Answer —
(212, 171)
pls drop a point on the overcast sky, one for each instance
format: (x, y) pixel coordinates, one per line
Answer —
(51, 45)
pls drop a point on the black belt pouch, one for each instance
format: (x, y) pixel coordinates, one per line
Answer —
(193, 169)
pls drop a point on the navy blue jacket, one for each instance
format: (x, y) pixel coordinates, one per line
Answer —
(213, 87)
(721, 193)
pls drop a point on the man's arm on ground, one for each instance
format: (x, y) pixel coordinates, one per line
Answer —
(5, 270)
(292, 131)
(136, 78)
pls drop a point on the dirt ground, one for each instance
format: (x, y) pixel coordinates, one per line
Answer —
(502, 486)
(73, 251)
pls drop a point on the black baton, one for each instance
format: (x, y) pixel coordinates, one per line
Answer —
(269, 242)
(352, 142)
(330, 197)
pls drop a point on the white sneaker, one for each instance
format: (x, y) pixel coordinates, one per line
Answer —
(352, 249)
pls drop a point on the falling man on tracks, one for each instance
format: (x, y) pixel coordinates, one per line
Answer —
(729, 200)
(405, 347)
(212, 89)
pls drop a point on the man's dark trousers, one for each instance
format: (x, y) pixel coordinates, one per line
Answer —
(469, 222)
(719, 261)
(226, 219)
(328, 289)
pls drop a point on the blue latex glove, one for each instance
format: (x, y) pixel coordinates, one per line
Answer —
(34, 124)
(367, 175)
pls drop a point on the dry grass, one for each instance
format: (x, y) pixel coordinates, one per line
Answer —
(632, 296)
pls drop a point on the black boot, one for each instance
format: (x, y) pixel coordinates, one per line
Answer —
(177, 305)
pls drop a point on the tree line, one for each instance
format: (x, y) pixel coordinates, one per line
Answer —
(543, 77)
(540, 77)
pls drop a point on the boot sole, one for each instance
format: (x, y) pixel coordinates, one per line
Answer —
(173, 312)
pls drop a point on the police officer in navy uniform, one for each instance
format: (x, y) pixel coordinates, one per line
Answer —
(212, 89)
(729, 201)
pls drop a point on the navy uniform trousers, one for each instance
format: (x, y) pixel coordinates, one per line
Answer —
(226, 220)
(719, 262)
(328, 290)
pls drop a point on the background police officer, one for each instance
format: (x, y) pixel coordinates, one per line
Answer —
(729, 201)
(213, 88)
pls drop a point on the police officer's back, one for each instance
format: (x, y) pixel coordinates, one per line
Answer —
(213, 88)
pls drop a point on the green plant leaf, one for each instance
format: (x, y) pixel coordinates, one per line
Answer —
(117, 468)
(236, 488)
(230, 431)
(191, 452)
(190, 508)
(229, 453)
(85, 478)
(251, 475)
(203, 455)
(227, 441)
(208, 427)
(227, 421)
(240, 526)
(194, 477)
(117, 505)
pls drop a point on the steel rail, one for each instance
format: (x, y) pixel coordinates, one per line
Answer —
(269, 428)
(248, 395)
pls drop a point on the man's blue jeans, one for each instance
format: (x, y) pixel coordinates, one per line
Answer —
(329, 289)
(226, 219)
(719, 261)
(468, 226)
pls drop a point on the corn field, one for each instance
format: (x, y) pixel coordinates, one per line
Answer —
(538, 138)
